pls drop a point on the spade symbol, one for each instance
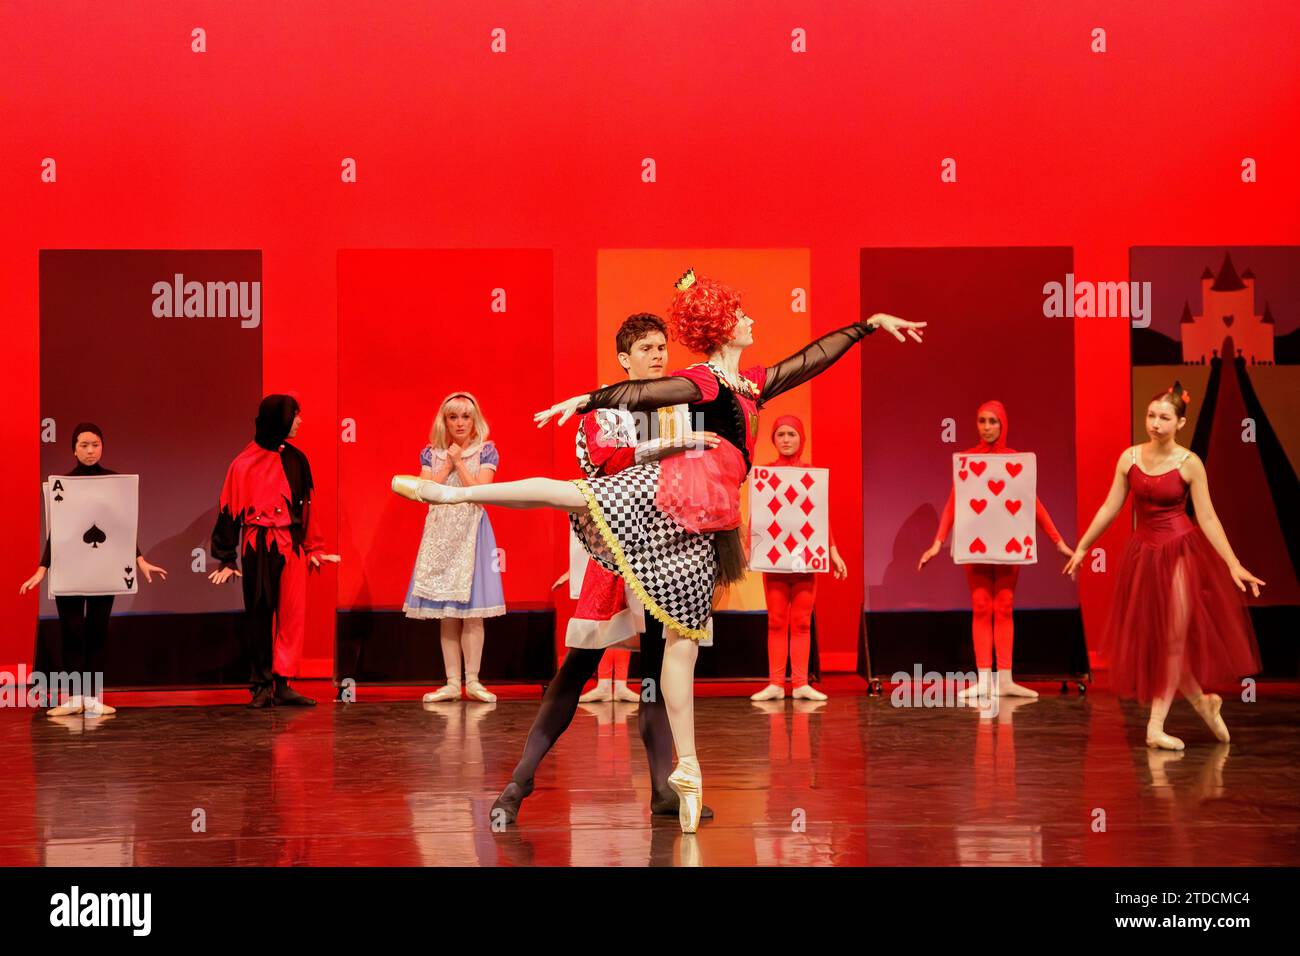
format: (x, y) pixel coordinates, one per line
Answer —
(94, 536)
(58, 497)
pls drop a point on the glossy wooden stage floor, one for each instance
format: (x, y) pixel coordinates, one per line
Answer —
(854, 781)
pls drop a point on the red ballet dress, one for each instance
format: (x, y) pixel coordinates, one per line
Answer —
(1174, 598)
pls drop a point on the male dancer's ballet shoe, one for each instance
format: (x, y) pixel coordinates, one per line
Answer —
(689, 787)
(477, 691)
(668, 805)
(263, 696)
(73, 705)
(94, 707)
(807, 692)
(770, 692)
(1208, 707)
(1009, 688)
(1159, 740)
(421, 489)
(602, 693)
(626, 694)
(512, 797)
(447, 691)
(286, 696)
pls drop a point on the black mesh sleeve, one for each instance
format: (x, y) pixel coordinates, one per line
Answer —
(645, 394)
(813, 359)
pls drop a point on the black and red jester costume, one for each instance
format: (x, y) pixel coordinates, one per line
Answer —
(265, 519)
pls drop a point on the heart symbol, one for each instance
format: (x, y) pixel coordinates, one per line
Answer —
(1013, 506)
(979, 504)
(996, 485)
(962, 474)
(1013, 546)
(978, 467)
(1014, 468)
(977, 547)
(1028, 540)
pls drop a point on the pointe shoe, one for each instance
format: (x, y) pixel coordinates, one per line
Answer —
(689, 787)
(73, 705)
(445, 692)
(477, 691)
(668, 805)
(1208, 707)
(1163, 741)
(419, 489)
(770, 692)
(94, 707)
(602, 693)
(626, 694)
(807, 692)
(512, 797)
(1009, 688)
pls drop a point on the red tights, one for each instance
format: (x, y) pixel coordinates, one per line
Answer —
(613, 666)
(789, 607)
(992, 597)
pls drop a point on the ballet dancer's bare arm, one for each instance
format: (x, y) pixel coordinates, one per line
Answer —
(1193, 470)
(1105, 514)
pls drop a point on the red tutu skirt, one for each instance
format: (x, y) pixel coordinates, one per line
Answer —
(1161, 585)
(700, 490)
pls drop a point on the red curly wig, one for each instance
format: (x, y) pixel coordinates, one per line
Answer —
(703, 316)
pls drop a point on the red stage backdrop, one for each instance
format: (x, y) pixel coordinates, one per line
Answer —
(415, 326)
(918, 408)
(676, 125)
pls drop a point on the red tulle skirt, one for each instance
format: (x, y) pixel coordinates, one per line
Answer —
(1176, 610)
(700, 491)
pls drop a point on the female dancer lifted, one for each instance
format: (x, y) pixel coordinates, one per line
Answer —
(671, 528)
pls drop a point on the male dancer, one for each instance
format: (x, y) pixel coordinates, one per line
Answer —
(266, 518)
(607, 613)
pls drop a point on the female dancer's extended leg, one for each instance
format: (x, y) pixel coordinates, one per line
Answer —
(526, 493)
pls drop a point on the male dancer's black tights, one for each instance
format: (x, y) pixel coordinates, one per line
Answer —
(560, 703)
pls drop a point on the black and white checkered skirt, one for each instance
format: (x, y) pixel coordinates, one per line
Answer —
(670, 569)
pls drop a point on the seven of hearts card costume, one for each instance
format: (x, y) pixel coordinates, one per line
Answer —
(265, 519)
(1173, 597)
(671, 528)
(456, 570)
(993, 586)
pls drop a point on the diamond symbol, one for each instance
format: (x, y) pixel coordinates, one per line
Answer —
(790, 543)
(759, 485)
(807, 506)
(774, 480)
(807, 480)
(773, 530)
(820, 550)
(807, 556)
(773, 505)
(774, 555)
(807, 530)
(791, 495)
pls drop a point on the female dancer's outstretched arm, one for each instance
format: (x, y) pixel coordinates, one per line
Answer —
(1213, 528)
(1105, 514)
(820, 354)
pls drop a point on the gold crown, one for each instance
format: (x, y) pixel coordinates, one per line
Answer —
(686, 281)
